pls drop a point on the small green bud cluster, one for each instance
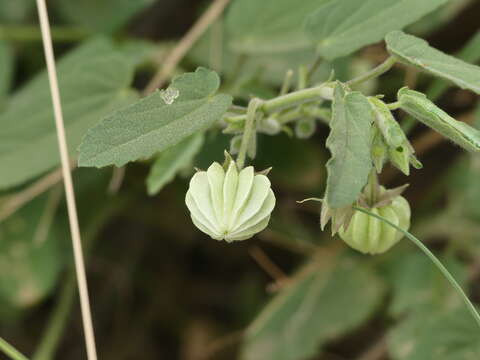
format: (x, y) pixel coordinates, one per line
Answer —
(389, 140)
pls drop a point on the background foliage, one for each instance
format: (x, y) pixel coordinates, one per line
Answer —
(162, 290)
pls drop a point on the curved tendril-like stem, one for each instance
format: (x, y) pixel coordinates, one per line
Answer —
(376, 72)
(248, 131)
(434, 259)
(11, 351)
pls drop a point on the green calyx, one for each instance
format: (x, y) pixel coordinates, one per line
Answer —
(369, 235)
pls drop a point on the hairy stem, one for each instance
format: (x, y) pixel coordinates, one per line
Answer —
(376, 72)
(296, 98)
(248, 131)
(435, 261)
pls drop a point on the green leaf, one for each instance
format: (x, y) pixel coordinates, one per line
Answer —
(426, 334)
(156, 122)
(416, 282)
(344, 26)
(417, 105)
(171, 161)
(322, 303)
(31, 254)
(469, 53)
(269, 25)
(349, 142)
(414, 51)
(6, 71)
(93, 80)
(101, 15)
(261, 71)
(12, 12)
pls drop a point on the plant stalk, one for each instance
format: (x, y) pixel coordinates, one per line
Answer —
(295, 98)
(435, 261)
(29, 33)
(376, 72)
(248, 131)
(9, 350)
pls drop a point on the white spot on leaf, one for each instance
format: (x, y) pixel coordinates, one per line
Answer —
(169, 95)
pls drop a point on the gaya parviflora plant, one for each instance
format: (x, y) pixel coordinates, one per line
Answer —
(231, 203)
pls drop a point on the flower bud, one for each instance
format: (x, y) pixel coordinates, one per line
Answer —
(370, 235)
(379, 150)
(230, 205)
(305, 128)
(400, 151)
(269, 126)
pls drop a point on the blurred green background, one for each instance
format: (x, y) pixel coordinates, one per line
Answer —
(159, 288)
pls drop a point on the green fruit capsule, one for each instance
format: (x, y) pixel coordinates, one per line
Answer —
(230, 205)
(370, 235)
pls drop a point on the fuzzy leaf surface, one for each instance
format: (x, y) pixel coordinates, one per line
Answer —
(417, 52)
(93, 79)
(344, 26)
(269, 25)
(152, 125)
(349, 142)
(420, 107)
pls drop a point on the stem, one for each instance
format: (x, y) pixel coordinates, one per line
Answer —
(56, 325)
(302, 77)
(295, 98)
(27, 33)
(290, 115)
(287, 82)
(373, 187)
(11, 351)
(247, 132)
(376, 72)
(394, 106)
(68, 183)
(314, 68)
(435, 261)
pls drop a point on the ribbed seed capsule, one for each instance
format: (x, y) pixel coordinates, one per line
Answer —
(370, 235)
(230, 205)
